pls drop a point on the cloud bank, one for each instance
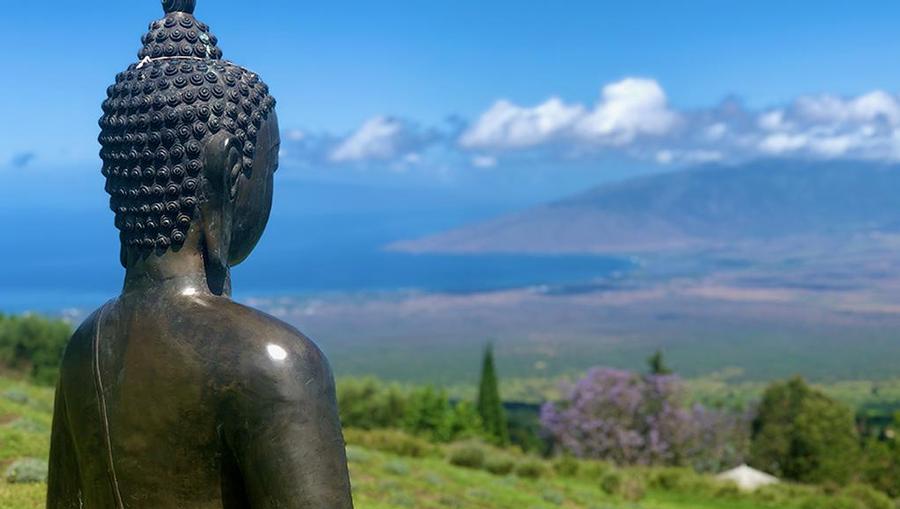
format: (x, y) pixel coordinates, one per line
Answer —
(627, 110)
(631, 118)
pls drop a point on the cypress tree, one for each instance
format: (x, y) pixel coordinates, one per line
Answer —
(657, 364)
(490, 407)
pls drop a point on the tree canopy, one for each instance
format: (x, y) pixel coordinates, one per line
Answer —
(801, 434)
(34, 345)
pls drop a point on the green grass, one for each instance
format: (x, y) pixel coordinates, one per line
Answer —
(387, 480)
(433, 483)
(22, 496)
(25, 418)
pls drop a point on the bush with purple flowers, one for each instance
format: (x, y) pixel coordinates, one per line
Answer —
(632, 419)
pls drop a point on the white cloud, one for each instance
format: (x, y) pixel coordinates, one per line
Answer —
(716, 131)
(628, 109)
(877, 105)
(772, 121)
(828, 127)
(781, 143)
(632, 118)
(834, 146)
(479, 161)
(666, 157)
(507, 126)
(376, 139)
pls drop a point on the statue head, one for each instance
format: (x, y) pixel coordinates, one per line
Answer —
(189, 146)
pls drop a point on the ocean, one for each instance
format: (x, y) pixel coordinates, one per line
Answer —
(49, 270)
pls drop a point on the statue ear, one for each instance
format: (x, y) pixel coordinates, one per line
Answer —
(235, 166)
(221, 169)
(223, 165)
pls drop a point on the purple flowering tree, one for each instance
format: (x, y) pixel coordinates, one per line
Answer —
(632, 419)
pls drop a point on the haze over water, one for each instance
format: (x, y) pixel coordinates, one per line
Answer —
(302, 253)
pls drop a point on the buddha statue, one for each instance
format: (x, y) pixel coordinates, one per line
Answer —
(172, 396)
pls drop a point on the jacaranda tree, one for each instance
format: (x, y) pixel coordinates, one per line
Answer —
(637, 420)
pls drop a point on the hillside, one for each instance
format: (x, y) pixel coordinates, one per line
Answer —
(703, 208)
(390, 474)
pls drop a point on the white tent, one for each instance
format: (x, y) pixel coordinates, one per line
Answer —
(747, 478)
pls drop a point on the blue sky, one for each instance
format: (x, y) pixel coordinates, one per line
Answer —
(402, 118)
(423, 90)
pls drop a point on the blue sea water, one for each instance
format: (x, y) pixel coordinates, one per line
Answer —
(384, 271)
(54, 261)
(84, 286)
(338, 257)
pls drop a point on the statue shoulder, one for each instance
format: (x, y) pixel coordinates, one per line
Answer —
(75, 368)
(252, 327)
(83, 336)
(272, 357)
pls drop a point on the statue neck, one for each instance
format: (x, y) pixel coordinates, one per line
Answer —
(187, 270)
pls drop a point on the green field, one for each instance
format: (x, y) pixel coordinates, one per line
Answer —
(393, 471)
(26, 413)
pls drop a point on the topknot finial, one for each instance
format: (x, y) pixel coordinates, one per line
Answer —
(171, 6)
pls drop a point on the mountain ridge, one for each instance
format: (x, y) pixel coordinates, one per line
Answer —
(701, 208)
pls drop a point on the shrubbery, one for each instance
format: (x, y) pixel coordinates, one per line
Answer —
(593, 470)
(625, 485)
(871, 498)
(467, 455)
(500, 464)
(531, 468)
(33, 345)
(371, 404)
(479, 455)
(430, 413)
(880, 465)
(391, 441)
(566, 466)
(673, 479)
(802, 435)
(28, 470)
(425, 411)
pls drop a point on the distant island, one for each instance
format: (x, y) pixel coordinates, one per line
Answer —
(711, 207)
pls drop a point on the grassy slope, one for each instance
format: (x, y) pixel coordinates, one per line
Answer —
(24, 432)
(380, 480)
